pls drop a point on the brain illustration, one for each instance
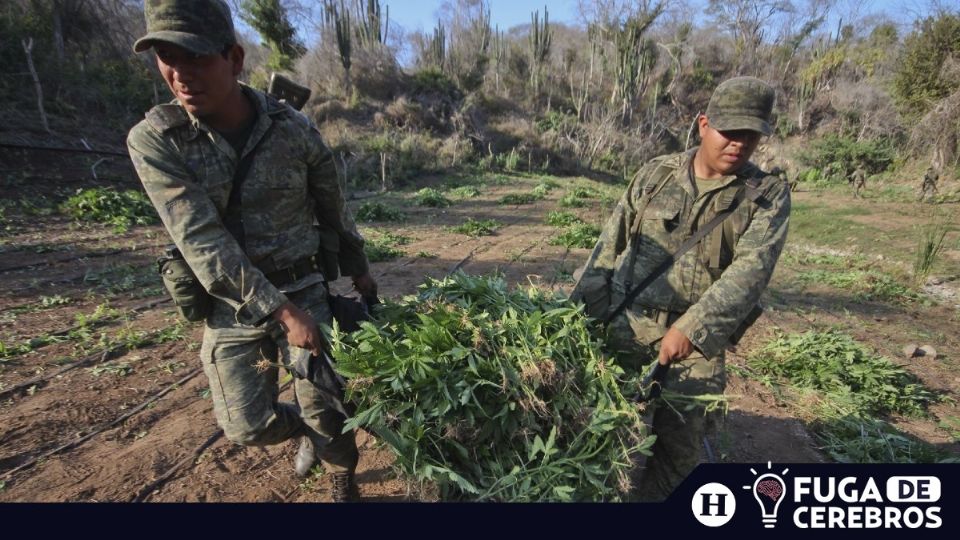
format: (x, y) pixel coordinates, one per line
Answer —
(770, 488)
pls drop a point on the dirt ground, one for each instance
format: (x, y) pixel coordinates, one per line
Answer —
(107, 403)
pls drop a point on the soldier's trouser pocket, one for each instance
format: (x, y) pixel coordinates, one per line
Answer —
(243, 386)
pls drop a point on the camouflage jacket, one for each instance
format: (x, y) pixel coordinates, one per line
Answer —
(187, 171)
(709, 292)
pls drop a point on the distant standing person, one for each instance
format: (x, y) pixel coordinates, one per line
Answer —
(859, 181)
(249, 193)
(929, 187)
(688, 315)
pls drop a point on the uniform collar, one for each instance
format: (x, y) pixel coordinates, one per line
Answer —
(265, 109)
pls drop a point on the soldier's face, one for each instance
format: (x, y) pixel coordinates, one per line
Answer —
(725, 152)
(201, 83)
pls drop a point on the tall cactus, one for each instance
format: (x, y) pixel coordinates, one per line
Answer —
(372, 27)
(480, 27)
(541, 39)
(436, 53)
(337, 18)
(471, 55)
(636, 57)
(499, 54)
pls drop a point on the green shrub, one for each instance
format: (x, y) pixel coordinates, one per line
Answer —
(843, 391)
(431, 198)
(519, 199)
(562, 219)
(122, 209)
(581, 235)
(919, 82)
(477, 228)
(572, 201)
(465, 192)
(379, 250)
(867, 284)
(844, 154)
(836, 365)
(811, 176)
(544, 188)
(370, 212)
(434, 81)
(556, 121)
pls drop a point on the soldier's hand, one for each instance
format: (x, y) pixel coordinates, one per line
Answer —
(302, 331)
(365, 285)
(674, 347)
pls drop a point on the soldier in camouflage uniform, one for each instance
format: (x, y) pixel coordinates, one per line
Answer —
(687, 316)
(859, 181)
(253, 246)
(929, 187)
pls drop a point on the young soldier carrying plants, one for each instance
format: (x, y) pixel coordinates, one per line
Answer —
(682, 314)
(249, 194)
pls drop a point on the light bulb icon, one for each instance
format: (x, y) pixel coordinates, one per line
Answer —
(769, 490)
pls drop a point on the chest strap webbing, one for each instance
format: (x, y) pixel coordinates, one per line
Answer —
(752, 192)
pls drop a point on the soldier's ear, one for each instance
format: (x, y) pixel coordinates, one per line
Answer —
(703, 123)
(236, 57)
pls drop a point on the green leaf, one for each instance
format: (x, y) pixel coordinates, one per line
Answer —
(563, 493)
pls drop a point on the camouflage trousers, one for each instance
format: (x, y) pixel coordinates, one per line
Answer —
(680, 429)
(241, 363)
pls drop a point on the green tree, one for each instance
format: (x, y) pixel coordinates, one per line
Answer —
(920, 83)
(269, 18)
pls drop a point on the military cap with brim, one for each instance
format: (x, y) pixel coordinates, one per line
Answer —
(200, 26)
(741, 103)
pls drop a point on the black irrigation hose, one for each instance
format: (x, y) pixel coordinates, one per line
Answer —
(75, 256)
(146, 491)
(98, 356)
(64, 149)
(33, 461)
(135, 310)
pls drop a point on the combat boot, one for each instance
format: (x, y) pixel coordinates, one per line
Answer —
(344, 488)
(306, 458)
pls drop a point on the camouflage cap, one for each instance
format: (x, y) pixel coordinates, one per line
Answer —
(741, 103)
(200, 26)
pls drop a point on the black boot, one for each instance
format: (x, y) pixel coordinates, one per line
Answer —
(344, 488)
(306, 458)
